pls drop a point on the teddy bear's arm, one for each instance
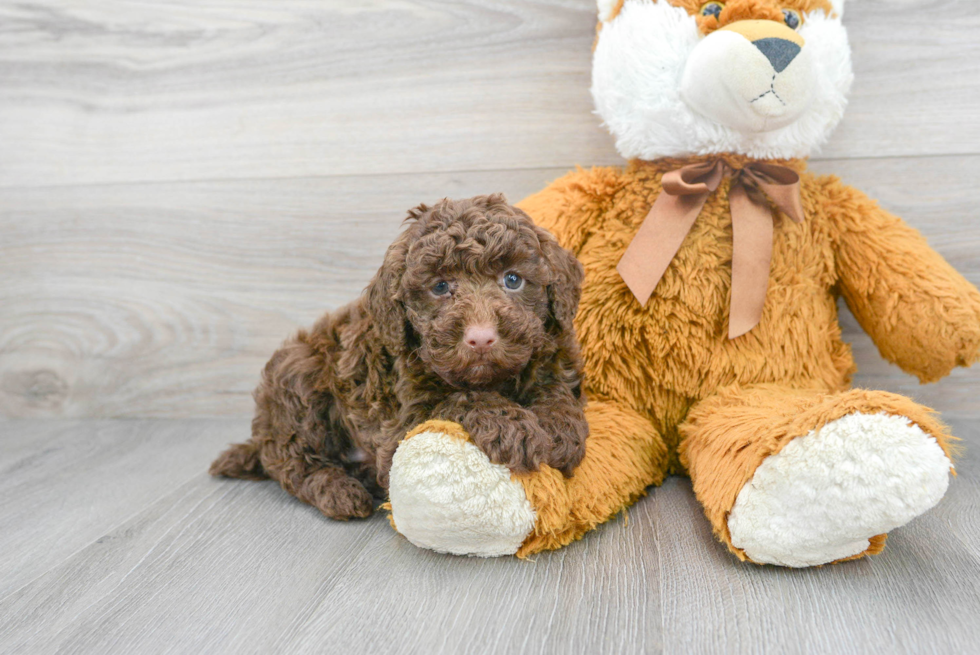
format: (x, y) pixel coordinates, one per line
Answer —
(921, 313)
(572, 206)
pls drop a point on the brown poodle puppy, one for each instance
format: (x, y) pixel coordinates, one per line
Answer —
(469, 319)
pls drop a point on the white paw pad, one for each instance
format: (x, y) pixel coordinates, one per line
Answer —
(446, 495)
(825, 494)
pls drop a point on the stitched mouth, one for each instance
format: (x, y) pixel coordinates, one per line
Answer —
(771, 91)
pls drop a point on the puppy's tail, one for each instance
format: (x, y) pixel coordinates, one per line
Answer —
(239, 461)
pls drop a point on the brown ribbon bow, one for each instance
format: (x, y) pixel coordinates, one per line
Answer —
(685, 191)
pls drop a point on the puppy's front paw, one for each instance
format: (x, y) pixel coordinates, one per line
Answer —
(565, 464)
(566, 446)
(506, 432)
(511, 437)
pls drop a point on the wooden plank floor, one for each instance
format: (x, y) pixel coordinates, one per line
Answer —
(183, 184)
(222, 566)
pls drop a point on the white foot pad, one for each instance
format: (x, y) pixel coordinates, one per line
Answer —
(446, 495)
(823, 495)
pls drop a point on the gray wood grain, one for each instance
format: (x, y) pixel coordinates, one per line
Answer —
(141, 91)
(918, 596)
(598, 595)
(64, 484)
(122, 92)
(230, 566)
(183, 184)
(229, 562)
(166, 300)
(224, 566)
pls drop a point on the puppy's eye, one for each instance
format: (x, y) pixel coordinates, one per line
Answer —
(440, 288)
(711, 9)
(513, 281)
(792, 18)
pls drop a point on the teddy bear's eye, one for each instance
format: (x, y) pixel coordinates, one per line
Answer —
(792, 18)
(712, 9)
(440, 288)
(513, 281)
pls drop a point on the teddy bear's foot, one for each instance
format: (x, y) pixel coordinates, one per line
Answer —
(446, 495)
(825, 496)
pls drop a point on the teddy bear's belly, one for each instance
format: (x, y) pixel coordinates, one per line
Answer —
(663, 357)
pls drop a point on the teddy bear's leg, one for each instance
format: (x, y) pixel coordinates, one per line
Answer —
(446, 495)
(802, 478)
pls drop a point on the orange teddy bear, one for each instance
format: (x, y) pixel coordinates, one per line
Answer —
(708, 319)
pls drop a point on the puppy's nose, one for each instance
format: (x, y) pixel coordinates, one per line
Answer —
(480, 337)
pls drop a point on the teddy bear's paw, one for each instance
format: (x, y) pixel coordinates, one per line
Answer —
(824, 495)
(446, 495)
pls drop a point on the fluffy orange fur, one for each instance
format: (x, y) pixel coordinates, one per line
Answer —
(670, 393)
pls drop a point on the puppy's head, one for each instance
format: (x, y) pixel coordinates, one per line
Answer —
(475, 289)
(762, 78)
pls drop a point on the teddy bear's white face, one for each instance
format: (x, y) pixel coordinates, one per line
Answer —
(762, 78)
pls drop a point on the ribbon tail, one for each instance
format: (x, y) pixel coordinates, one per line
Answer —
(751, 256)
(786, 197)
(658, 240)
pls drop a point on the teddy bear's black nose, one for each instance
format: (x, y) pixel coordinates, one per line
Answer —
(779, 52)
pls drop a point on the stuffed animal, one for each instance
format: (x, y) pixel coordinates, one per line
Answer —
(708, 319)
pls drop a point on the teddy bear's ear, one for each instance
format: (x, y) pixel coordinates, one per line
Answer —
(609, 9)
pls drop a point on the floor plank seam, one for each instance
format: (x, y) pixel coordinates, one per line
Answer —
(560, 168)
(108, 531)
(303, 619)
(107, 608)
(660, 583)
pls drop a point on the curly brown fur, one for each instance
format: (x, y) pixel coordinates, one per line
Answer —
(438, 333)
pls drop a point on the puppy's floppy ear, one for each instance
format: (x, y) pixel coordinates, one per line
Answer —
(565, 288)
(384, 302)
